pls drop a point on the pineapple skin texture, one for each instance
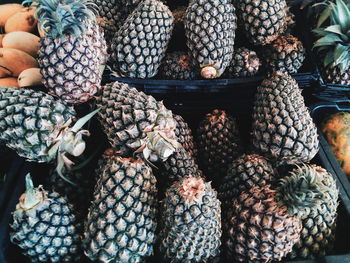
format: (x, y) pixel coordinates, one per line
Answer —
(48, 232)
(28, 119)
(71, 66)
(121, 223)
(190, 230)
(283, 129)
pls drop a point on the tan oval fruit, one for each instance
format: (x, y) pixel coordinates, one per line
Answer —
(23, 20)
(24, 41)
(30, 77)
(7, 10)
(1, 38)
(8, 82)
(14, 61)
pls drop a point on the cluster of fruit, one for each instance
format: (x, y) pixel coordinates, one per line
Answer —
(151, 191)
(144, 38)
(19, 46)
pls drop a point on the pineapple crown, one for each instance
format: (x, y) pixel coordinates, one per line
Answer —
(33, 196)
(191, 189)
(302, 190)
(334, 39)
(68, 140)
(59, 18)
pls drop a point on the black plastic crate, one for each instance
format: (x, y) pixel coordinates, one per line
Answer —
(319, 112)
(192, 106)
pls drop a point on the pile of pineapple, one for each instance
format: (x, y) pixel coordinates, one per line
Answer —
(157, 192)
(146, 38)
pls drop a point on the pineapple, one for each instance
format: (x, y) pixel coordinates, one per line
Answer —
(264, 223)
(332, 43)
(191, 228)
(184, 135)
(73, 49)
(243, 173)
(286, 53)
(38, 127)
(283, 129)
(177, 66)
(210, 31)
(218, 144)
(318, 224)
(77, 185)
(136, 123)
(140, 44)
(114, 13)
(179, 165)
(44, 226)
(263, 20)
(244, 63)
(121, 222)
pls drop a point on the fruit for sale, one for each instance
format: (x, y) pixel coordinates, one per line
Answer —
(263, 20)
(23, 20)
(140, 44)
(30, 77)
(283, 129)
(179, 165)
(38, 127)
(23, 41)
(177, 65)
(210, 31)
(318, 223)
(244, 63)
(332, 44)
(243, 173)
(136, 123)
(14, 61)
(114, 13)
(8, 82)
(191, 229)
(184, 135)
(7, 10)
(44, 226)
(336, 129)
(73, 49)
(218, 144)
(264, 224)
(121, 222)
(286, 53)
(1, 38)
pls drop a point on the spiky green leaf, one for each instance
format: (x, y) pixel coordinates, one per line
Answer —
(334, 29)
(328, 40)
(341, 14)
(324, 16)
(320, 32)
(340, 53)
(329, 58)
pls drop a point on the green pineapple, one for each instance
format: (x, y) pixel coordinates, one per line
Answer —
(121, 222)
(283, 129)
(286, 53)
(73, 50)
(318, 223)
(38, 127)
(333, 43)
(44, 226)
(191, 228)
(140, 44)
(218, 144)
(264, 224)
(263, 20)
(136, 123)
(210, 31)
(177, 66)
(244, 63)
